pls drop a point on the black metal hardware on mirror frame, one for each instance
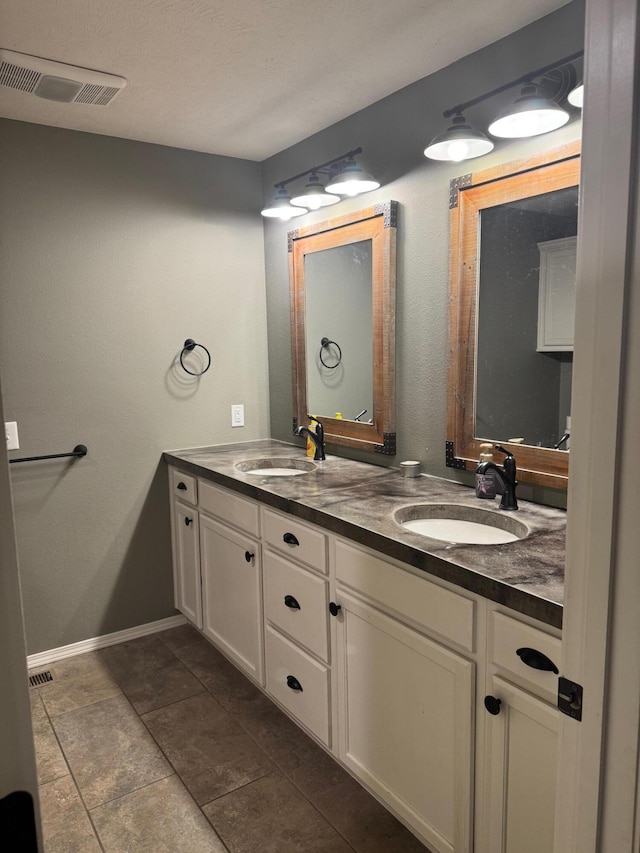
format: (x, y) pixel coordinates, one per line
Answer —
(536, 660)
(248, 556)
(189, 346)
(492, 705)
(334, 608)
(78, 451)
(187, 521)
(290, 539)
(325, 343)
(291, 602)
(294, 684)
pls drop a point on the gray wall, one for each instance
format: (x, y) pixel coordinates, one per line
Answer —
(113, 253)
(393, 134)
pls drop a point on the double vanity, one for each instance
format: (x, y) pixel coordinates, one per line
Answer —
(426, 667)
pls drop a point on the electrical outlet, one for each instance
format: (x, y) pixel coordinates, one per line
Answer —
(237, 415)
(11, 434)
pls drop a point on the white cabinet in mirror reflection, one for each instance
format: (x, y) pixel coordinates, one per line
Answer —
(557, 295)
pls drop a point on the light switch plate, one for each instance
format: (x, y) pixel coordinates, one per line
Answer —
(237, 415)
(11, 435)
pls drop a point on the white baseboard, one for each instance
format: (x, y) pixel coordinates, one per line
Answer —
(45, 658)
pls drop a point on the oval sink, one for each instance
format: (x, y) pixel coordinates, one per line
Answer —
(276, 466)
(461, 524)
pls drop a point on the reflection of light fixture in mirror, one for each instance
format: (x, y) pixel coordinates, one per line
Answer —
(351, 180)
(458, 142)
(529, 115)
(281, 208)
(576, 96)
(314, 196)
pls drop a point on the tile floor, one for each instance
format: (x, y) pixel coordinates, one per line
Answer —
(161, 745)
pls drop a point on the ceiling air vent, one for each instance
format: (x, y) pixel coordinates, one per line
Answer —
(55, 81)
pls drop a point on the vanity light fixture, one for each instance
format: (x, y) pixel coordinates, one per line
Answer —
(281, 207)
(314, 196)
(535, 111)
(529, 115)
(345, 178)
(576, 96)
(459, 142)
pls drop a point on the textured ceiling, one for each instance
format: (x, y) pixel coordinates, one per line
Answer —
(246, 78)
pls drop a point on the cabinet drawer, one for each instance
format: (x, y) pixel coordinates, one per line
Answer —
(286, 585)
(303, 544)
(239, 512)
(507, 636)
(183, 486)
(286, 664)
(417, 599)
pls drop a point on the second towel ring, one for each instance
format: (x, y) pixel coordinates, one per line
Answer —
(324, 343)
(189, 346)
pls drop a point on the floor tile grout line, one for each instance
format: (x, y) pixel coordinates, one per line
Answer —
(134, 791)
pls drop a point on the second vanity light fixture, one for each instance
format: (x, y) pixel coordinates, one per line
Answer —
(344, 178)
(529, 115)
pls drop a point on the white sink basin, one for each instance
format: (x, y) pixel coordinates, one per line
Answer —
(276, 466)
(460, 524)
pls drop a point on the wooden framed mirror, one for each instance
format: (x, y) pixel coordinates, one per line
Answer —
(342, 276)
(512, 274)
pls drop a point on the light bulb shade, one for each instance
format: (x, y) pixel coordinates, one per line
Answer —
(576, 96)
(281, 208)
(459, 142)
(351, 181)
(529, 115)
(314, 195)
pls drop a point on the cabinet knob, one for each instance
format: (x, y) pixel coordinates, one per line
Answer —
(290, 539)
(187, 520)
(182, 487)
(536, 660)
(291, 602)
(334, 608)
(492, 705)
(294, 684)
(248, 556)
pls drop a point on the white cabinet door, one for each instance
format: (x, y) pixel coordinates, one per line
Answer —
(522, 745)
(557, 295)
(231, 592)
(405, 719)
(186, 562)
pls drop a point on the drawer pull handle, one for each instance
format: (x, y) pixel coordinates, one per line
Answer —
(248, 556)
(492, 705)
(182, 487)
(536, 660)
(293, 683)
(291, 602)
(290, 539)
(334, 608)
(187, 520)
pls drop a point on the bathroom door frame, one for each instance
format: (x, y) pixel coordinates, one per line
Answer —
(18, 765)
(597, 793)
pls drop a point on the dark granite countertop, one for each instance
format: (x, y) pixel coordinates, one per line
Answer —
(357, 500)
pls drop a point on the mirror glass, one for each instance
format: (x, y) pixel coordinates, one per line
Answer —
(339, 331)
(511, 313)
(523, 381)
(342, 282)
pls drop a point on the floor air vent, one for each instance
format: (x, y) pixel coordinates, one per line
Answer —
(40, 678)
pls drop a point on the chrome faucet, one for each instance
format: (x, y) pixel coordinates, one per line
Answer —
(506, 477)
(316, 437)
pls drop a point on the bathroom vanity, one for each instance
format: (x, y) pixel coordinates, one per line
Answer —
(414, 662)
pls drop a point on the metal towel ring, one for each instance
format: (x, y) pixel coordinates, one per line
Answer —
(324, 343)
(190, 345)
